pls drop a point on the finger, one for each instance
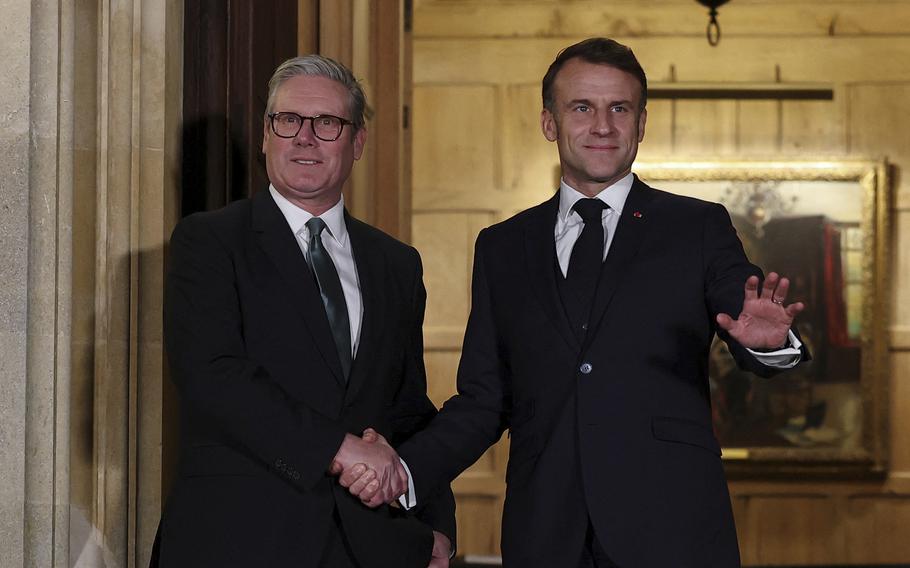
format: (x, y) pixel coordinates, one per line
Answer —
(751, 287)
(368, 493)
(441, 545)
(795, 308)
(375, 501)
(336, 467)
(780, 294)
(370, 435)
(724, 321)
(383, 496)
(361, 485)
(376, 497)
(353, 473)
(770, 283)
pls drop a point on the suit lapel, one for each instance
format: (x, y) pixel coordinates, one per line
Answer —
(275, 238)
(540, 248)
(630, 233)
(370, 274)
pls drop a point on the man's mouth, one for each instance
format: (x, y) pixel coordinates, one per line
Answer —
(306, 162)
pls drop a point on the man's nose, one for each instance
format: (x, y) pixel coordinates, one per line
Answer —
(305, 136)
(602, 123)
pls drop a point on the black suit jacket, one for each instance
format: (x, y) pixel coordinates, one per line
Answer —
(617, 427)
(264, 406)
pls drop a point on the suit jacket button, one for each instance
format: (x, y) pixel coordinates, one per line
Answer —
(586, 368)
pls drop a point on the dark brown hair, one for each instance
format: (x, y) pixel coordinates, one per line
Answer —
(599, 50)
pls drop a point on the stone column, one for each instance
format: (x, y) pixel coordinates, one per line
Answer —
(89, 134)
(36, 39)
(139, 94)
(14, 206)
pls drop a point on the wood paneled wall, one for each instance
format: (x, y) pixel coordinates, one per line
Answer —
(479, 157)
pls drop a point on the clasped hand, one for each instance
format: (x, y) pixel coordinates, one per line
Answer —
(370, 469)
(765, 321)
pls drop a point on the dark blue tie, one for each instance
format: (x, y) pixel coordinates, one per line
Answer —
(336, 308)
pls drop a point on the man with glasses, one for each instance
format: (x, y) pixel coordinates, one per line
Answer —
(291, 328)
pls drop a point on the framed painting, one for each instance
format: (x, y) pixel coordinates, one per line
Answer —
(825, 225)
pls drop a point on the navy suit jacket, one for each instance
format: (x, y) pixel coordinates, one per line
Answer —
(264, 405)
(616, 427)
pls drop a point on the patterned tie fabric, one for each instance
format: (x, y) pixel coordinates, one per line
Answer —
(585, 262)
(336, 308)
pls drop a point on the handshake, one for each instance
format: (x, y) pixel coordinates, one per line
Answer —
(370, 469)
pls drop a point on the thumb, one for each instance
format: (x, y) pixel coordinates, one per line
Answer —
(336, 468)
(724, 321)
(370, 435)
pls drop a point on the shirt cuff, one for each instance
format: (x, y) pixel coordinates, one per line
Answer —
(409, 500)
(785, 358)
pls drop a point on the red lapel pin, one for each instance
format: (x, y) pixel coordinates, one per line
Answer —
(637, 214)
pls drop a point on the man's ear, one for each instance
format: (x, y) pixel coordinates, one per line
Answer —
(548, 125)
(642, 119)
(266, 132)
(360, 140)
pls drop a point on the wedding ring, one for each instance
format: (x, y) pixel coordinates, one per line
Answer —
(777, 301)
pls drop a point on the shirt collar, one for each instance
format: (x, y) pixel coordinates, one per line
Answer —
(297, 217)
(613, 195)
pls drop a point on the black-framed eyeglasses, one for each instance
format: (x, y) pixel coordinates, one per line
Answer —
(325, 126)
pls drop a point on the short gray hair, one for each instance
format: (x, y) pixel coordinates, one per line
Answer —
(320, 66)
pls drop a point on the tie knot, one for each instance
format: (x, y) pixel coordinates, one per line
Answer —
(315, 226)
(589, 209)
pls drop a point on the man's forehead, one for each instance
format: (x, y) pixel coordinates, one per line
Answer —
(311, 88)
(581, 79)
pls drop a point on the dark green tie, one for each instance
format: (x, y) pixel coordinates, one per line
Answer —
(332, 294)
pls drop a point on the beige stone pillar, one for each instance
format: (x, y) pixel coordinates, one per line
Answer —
(36, 39)
(14, 204)
(139, 94)
(90, 105)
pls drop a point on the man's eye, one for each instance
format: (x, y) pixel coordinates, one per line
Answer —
(619, 108)
(289, 118)
(325, 120)
(582, 108)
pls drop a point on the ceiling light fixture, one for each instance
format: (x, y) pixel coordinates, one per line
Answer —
(713, 31)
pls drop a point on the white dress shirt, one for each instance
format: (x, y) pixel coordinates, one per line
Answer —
(568, 228)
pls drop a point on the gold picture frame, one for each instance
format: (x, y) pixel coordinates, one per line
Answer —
(826, 221)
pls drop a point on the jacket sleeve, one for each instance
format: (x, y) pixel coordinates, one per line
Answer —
(414, 411)
(726, 271)
(475, 418)
(219, 385)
